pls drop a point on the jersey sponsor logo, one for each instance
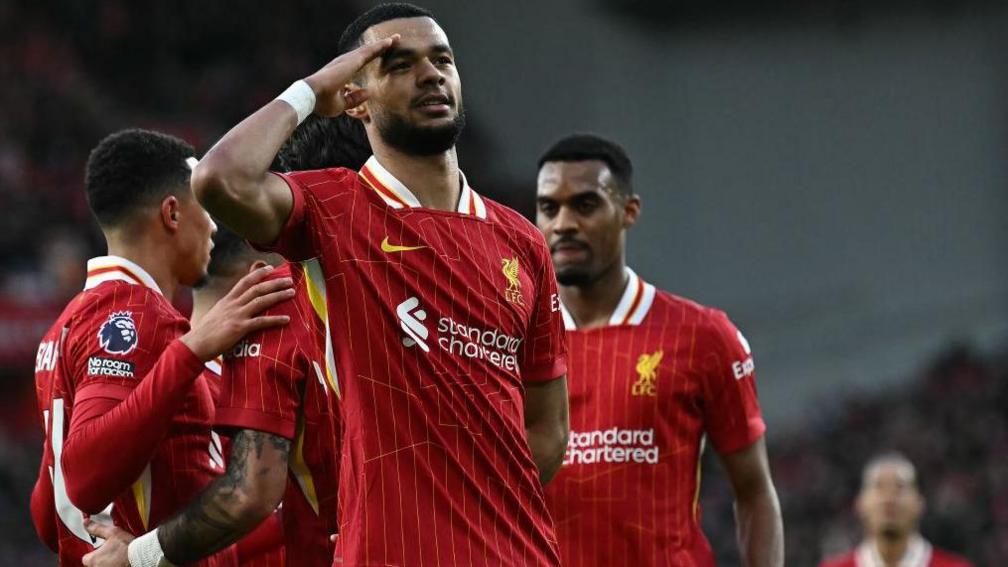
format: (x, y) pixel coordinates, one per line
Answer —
(510, 268)
(45, 359)
(491, 345)
(98, 366)
(392, 248)
(410, 321)
(118, 335)
(743, 368)
(613, 445)
(647, 371)
(245, 349)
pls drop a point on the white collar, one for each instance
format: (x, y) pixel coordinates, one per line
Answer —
(918, 554)
(109, 268)
(638, 295)
(398, 196)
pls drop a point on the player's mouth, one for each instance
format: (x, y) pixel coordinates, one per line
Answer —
(434, 104)
(569, 250)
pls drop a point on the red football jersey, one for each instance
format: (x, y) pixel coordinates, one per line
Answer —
(279, 381)
(644, 392)
(437, 321)
(919, 553)
(105, 341)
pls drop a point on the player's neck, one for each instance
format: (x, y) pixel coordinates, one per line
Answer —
(593, 304)
(434, 180)
(892, 550)
(148, 256)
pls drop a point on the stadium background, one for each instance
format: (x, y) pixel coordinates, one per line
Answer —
(835, 177)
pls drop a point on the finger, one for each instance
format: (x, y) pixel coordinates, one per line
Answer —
(354, 98)
(365, 53)
(264, 302)
(333, 537)
(265, 288)
(267, 321)
(99, 529)
(250, 280)
(88, 560)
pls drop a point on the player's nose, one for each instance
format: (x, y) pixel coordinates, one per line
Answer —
(428, 73)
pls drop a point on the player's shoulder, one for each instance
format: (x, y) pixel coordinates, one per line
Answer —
(513, 222)
(845, 560)
(299, 308)
(121, 299)
(324, 181)
(667, 304)
(942, 558)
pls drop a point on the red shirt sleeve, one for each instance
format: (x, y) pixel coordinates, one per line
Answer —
(732, 416)
(545, 349)
(299, 239)
(263, 376)
(125, 398)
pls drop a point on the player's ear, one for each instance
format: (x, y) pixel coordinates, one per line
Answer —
(360, 112)
(170, 212)
(256, 265)
(631, 210)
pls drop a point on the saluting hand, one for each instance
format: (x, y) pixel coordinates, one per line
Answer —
(333, 92)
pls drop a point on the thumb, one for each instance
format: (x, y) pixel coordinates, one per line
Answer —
(354, 98)
(99, 529)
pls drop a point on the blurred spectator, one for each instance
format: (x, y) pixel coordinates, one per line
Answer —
(953, 423)
(890, 507)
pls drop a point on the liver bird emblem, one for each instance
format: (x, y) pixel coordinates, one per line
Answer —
(513, 291)
(647, 369)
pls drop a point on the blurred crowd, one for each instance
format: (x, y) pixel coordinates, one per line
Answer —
(76, 71)
(952, 422)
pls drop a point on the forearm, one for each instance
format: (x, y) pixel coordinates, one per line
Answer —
(548, 444)
(228, 180)
(110, 442)
(234, 503)
(760, 529)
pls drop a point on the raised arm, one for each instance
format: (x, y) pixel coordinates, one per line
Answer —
(757, 511)
(547, 424)
(233, 182)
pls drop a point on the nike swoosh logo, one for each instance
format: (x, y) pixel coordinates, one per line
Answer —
(386, 247)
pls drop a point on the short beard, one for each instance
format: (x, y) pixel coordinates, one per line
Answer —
(574, 277)
(413, 140)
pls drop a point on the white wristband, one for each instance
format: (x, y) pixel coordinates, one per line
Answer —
(145, 551)
(301, 97)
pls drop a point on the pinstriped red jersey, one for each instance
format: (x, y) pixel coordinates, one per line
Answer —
(438, 319)
(277, 381)
(105, 341)
(645, 390)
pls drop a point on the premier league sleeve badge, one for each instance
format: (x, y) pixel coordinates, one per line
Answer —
(118, 335)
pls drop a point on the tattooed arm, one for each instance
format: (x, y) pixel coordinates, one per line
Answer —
(234, 503)
(228, 508)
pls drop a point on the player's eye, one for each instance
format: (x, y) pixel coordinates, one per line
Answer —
(586, 206)
(548, 209)
(399, 66)
(443, 60)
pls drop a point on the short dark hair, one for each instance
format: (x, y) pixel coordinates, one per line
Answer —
(585, 147)
(134, 168)
(350, 39)
(230, 251)
(320, 142)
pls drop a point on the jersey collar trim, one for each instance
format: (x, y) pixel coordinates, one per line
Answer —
(632, 307)
(918, 554)
(116, 268)
(398, 196)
